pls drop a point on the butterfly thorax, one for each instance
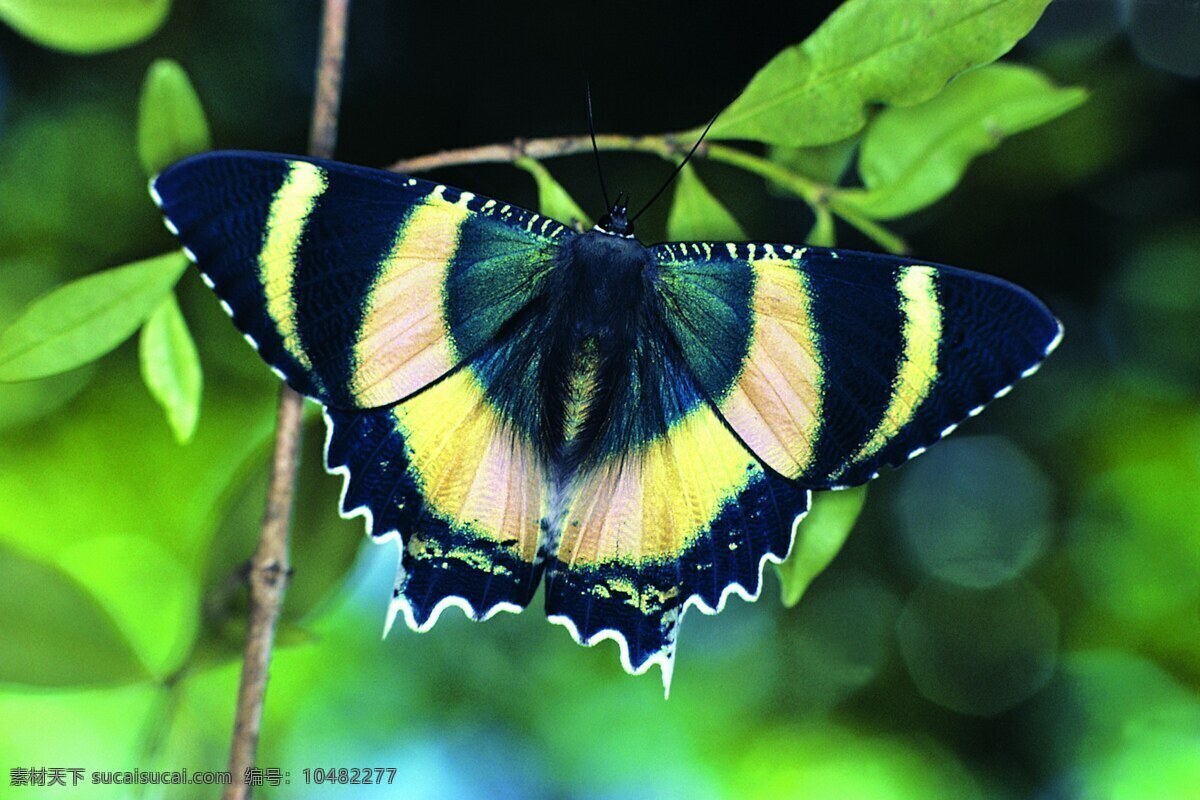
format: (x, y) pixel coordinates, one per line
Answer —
(607, 277)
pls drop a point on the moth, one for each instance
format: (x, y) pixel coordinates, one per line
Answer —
(512, 400)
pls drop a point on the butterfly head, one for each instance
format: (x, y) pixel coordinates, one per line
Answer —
(616, 222)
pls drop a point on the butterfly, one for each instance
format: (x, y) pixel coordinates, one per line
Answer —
(514, 401)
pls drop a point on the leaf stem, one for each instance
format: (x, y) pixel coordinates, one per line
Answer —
(810, 191)
(269, 567)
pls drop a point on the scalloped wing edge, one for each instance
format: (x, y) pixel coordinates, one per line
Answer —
(665, 658)
(399, 605)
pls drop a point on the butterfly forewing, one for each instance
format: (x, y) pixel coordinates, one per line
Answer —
(363, 288)
(358, 285)
(829, 364)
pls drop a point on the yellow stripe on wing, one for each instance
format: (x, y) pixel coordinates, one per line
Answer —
(473, 469)
(775, 402)
(403, 343)
(652, 504)
(289, 212)
(917, 371)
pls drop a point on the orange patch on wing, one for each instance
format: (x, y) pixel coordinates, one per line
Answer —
(775, 403)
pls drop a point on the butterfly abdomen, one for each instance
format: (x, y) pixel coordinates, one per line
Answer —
(580, 394)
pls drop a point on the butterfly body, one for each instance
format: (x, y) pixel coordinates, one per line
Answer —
(584, 337)
(641, 426)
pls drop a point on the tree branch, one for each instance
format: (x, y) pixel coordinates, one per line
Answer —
(269, 569)
(540, 149)
(822, 198)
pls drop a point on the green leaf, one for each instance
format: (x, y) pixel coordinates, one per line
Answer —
(913, 156)
(553, 200)
(81, 321)
(23, 278)
(85, 26)
(698, 216)
(171, 122)
(819, 537)
(898, 52)
(54, 632)
(153, 597)
(171, 367)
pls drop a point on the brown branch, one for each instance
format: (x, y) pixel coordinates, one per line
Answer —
(269, 569)
(665, 145)
(323, 133)
(822, 198)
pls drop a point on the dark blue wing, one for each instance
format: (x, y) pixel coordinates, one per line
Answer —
(371, 292)
(358, 286)
(829, 364)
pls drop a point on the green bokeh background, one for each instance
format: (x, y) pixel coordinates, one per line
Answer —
(1016, 614)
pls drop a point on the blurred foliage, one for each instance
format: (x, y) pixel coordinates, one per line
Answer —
(171, 121)
(696, 215)
(820, 535)
(913, 156)
(85, 26)
(1015, 614)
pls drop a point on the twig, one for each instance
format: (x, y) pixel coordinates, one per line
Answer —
(269, 570)
(540, 149)
(822, 198)
(322, 135)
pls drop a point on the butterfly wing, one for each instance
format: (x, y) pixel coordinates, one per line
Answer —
(459, 487)
(458, 471)
(386, 298)
(358, 286)
(829, 364)
(673, 512)
(418, 315)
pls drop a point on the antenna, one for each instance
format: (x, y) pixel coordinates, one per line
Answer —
(669, 180)
(595, 150)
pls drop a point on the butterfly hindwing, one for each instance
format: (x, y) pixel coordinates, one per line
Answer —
(459, 486)
(358, 286)
(829, 364)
